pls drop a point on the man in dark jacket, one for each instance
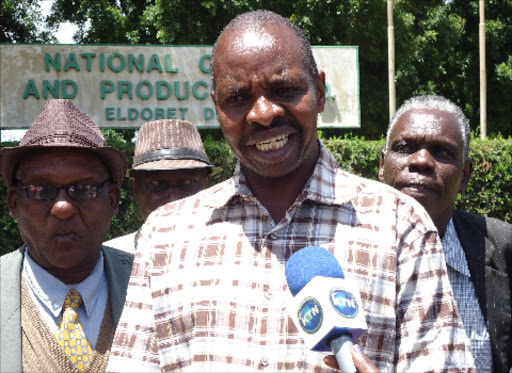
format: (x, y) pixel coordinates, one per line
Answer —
(427, 157)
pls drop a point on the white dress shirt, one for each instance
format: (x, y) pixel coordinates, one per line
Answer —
(48, 293)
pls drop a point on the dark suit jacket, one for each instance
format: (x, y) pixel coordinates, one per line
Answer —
(487, 243)
(118, 266)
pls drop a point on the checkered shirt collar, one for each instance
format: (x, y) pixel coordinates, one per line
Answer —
(453, 250)
(323, 185)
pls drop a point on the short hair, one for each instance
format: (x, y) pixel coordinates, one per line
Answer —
(437, 103)
(257, 19)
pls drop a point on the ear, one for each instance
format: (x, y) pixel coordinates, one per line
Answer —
(114, 194)
(12, 202)
(381, 166)
(212, 95)
(320, 91)
(466, 174)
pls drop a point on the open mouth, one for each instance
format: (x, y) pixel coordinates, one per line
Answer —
(273, 143)
(418, 187)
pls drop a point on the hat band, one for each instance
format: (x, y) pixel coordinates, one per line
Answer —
(170, 154)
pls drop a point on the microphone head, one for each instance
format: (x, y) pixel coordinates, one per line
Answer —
(310, 262)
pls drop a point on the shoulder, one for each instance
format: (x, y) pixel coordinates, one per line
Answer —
(496, 234)
(10, 274)
(115, 256)
(11, 260)
(488, 226)
(380, 208)
(123, 243)
(385, 202)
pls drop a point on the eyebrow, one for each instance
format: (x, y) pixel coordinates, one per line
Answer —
(233, 89)
(443, 142)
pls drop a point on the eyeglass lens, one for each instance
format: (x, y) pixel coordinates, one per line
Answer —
(76, 191)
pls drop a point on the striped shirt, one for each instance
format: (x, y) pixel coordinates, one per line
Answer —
(467, 302)
(208, 290)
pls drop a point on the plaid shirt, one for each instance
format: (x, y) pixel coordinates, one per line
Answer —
(467, 301)
(208, 290)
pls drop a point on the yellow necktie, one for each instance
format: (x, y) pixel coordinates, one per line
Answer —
(70, 335)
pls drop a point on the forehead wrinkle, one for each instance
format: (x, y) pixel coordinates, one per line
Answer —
(421, 122)
(281, 77)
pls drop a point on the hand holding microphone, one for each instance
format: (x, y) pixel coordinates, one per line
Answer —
(361, 361)
(326, 306)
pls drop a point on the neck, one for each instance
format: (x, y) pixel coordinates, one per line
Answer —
(75, 277)
(279, 193)
(72, 275)
(441, 223)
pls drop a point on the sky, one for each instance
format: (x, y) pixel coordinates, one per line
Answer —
(66, 29)
(64, 36)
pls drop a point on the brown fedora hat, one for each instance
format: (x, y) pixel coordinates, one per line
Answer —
(169, 145)
(62, 124)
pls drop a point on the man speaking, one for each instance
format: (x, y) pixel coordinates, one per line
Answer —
(208, 291)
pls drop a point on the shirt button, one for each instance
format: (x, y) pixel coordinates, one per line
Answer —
(273, 236)
(268, 294)
(264, 362)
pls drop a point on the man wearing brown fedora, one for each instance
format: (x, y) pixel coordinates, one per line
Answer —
(169, 163)
(62, 292)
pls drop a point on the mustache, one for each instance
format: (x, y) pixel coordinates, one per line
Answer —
(276, 123)
(278, 126)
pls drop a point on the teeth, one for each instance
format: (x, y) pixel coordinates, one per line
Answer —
(273, 143)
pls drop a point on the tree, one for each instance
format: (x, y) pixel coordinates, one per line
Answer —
(19, 21)
(437, 52)
(436, 43)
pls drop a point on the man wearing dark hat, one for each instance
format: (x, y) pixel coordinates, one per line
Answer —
(61, 293)
(169, 163)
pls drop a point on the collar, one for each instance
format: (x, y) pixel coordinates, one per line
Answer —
(327, 184)
(51, 292)
(455, 257)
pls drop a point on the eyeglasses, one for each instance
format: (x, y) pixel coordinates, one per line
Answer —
(75, 191)
(160, 186)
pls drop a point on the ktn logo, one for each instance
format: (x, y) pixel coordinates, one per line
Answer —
(344, 302)
(310, 315)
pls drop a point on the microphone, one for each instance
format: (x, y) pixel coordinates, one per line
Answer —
(326, 306)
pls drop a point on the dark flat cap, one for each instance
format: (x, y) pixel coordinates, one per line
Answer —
(62, 125)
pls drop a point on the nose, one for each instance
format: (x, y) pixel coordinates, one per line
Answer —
(63, 207)
(264, 111)
(422, 161)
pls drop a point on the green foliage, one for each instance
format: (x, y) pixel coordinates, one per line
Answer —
(357, 155)
(437, 47)
(490, 186)
(10, 238)
(489, 191)
(19, 20)
(221, 156)
(128, 218)
(436, 43)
